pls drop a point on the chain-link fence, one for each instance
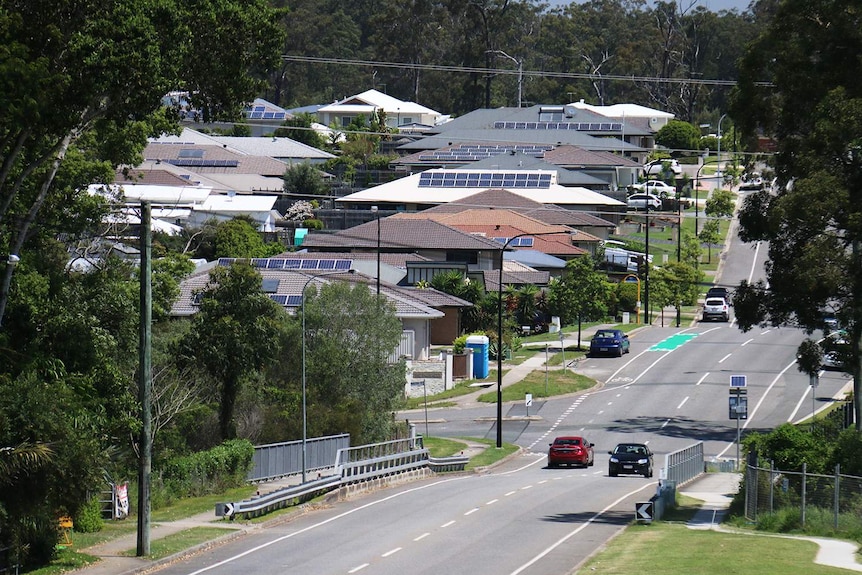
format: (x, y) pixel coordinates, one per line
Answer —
(834, 499)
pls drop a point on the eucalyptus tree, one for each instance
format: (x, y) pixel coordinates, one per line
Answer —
(87, 68)
(800, 84)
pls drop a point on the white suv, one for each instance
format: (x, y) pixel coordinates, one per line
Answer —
(716, 308)
(657, 167)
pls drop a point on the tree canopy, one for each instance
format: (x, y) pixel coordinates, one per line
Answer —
(800, 84)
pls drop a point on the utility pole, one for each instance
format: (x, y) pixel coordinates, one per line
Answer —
(145, 384)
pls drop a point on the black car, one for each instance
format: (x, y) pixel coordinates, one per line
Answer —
(633, 458)
(721, 292)
(610, 342)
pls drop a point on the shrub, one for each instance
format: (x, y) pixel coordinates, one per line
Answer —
(222, 467)
(88, 519)
(460, 344)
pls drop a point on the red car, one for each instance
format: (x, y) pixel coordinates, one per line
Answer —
(570, 450)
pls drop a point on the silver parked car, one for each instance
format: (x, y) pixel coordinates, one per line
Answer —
(641, 201)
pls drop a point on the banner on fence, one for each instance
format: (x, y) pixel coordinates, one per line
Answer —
(121, 501)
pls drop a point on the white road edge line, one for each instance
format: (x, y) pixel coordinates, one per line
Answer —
(592, 519)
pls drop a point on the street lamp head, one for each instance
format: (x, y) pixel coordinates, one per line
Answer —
(12, 260)
(374, 209)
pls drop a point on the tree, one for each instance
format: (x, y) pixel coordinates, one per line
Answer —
(709, 235)
(236, 238)
(720, 204)
(300, 128)
(581, 294)
(103, 68)
(235, 334)
(351, 386)
(678, 135)
(304, 179)
(796, 85)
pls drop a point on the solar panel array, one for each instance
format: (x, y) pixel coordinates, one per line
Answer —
(260, 113)
(484, 180)
(299, 264)
(199, 163)
(474, 152)
(522, 242)
(287, 300)
(580, 126)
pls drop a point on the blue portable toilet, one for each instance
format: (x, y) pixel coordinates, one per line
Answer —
(479, 345)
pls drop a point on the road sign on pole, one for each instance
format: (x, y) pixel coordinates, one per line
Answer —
(644, 511)
(738, 381)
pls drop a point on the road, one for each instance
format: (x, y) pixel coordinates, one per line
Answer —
(521, 517)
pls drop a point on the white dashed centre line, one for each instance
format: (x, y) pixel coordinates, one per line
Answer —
(510, 493)
(725, 357)
(492, 502)
(447, 524)
(472, 511)
(358, 568)
(682, 403)
(421, 537)
(392, 552)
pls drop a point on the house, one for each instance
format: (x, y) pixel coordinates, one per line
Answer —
(372, 102)
(502, 224)
(430, 239)
(540, 125)
(285, 277)
(601, 171)
(435, 187)
(547, 213)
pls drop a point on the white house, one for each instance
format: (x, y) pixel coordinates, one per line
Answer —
(398, 112)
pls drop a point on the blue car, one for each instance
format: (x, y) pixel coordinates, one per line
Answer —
(609, 342)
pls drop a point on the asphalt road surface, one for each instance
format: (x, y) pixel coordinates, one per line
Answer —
(521, 517)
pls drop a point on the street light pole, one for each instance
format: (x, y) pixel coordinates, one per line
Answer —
(646, 269)
(719, 148)
(304, 410)
(500, 332)
(377, 214)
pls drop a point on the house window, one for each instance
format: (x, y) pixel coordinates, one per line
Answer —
(463, 257)
(345, 121)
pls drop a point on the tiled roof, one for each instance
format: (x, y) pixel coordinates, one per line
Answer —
(495, 199)
(559, 244)
(245, 164)
(292, 282)
(401, 234)
(573, 155)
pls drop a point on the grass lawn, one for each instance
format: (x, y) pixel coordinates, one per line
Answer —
(559, 382)
(461, 388)
(160, 548)
(661, 548)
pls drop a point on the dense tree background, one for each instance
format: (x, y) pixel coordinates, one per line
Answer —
(678, 59)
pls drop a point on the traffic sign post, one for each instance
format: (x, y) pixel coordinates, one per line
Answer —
(528, 401)
(738, 404)
(644, 512)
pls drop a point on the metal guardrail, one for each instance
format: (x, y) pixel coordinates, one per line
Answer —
(684, 464)
(278, 499)
(380, 460)
(276, 460)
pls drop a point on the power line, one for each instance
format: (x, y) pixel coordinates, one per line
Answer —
(503, 71)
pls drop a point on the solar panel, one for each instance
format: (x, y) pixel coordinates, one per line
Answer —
(308, 265)
(259, 108)
(326, 264)
(256, 115)
(224, 262)
(269, 285)
(343, 264)
(280, 299)
(280, 115)
(190, 153)
(294, 300)
(259, 262)
(292, 264)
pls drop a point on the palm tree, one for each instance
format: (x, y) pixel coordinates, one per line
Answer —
(22, 459)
